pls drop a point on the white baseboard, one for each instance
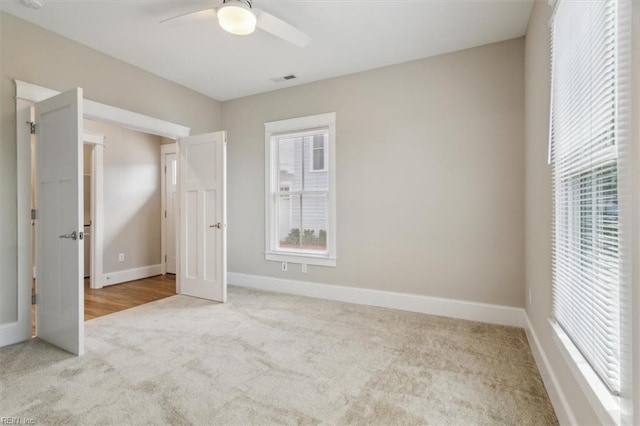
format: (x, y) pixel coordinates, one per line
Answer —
(118, 277)
(473, 311)
(558, 400)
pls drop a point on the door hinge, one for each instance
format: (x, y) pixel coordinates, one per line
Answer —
(165, 258)
(34, 299)
(165, 214)
(32, 127)
(33, 214)
(165, 170)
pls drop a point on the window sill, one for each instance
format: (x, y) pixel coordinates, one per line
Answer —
(606, 405)
(307, 259)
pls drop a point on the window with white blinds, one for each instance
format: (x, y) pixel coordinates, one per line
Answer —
(585, 160)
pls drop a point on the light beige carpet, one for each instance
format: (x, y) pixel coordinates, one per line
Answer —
(266, 358)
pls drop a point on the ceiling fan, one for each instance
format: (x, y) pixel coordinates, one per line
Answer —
(241, 18)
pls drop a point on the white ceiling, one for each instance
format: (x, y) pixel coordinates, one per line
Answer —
(348, 36)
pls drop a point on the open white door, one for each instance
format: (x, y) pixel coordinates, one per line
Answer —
(203, 222)
(59, 226)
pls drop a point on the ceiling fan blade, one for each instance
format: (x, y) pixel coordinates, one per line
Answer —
(281, 29)
(198, 15)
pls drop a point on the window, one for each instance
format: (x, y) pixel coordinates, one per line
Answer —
(300, 190)
(587, 147)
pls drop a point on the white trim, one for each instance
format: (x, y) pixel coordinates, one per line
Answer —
(97, 217)
(606, 406)
(106, 113)
(308, 259)
(33, 93)
(111, 278)
(178, 235)
(300, 123)
(164, 150)
(305, 125)
(97, 140)
(93, 138)
(473, 311)
(563, 410)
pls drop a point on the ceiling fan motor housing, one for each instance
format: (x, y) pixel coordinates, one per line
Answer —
(237, 17)
(247, 2)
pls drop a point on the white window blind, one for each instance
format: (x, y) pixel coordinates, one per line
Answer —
(586, 263)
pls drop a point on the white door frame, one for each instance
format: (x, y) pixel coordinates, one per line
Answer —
(164, 150)
(96, 141)
(26, 95)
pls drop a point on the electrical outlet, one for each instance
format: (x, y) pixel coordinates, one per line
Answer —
(304, 268)
(285, 267)
(529, 296)
(121, 257)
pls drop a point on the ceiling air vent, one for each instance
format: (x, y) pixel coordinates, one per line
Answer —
(285, 78)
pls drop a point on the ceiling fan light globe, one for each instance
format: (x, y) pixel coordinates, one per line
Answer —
(237, 18)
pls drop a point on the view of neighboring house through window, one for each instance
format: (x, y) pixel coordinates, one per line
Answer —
(300, 199)
(319, 152)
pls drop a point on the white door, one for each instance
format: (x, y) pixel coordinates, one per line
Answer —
(171, 207)
(59, 217)
(203, 260)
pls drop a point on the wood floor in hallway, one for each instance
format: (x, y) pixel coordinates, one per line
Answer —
(123, 296)
(114, 298)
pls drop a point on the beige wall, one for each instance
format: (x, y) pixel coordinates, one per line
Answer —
(131, 197)
(430, 175)
(538, 204)
(33, 54)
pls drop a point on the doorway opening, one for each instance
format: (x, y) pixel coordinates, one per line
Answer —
(125, 218)
(56, 120)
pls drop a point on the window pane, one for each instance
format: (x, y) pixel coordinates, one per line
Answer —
(316, 178)
(289, 222)
(318, 152)
(318, 159)
(291, 165)
(314, 220)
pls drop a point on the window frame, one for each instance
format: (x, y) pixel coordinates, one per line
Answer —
(273, 130)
